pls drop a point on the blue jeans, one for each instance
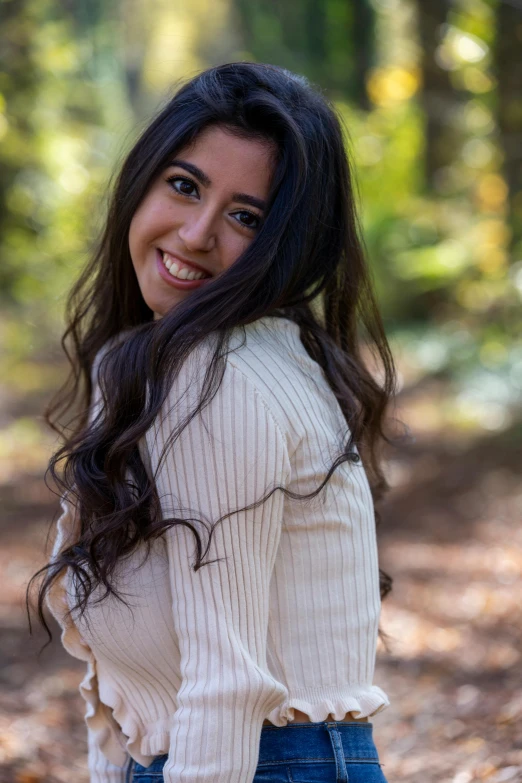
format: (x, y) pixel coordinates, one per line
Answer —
(328, 752)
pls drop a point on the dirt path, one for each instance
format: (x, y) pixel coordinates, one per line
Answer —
(452, 540)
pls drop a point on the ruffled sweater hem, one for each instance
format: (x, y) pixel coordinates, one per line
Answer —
(319, 703)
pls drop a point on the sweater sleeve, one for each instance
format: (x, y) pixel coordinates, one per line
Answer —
(229, 456)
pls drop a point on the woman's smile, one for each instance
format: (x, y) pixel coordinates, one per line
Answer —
(178, 273)
(181, 268)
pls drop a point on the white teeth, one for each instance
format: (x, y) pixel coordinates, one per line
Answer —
(181, 271)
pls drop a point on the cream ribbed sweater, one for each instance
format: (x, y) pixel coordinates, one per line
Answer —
(288, 620)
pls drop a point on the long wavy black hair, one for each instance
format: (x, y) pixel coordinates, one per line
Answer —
(306, 263)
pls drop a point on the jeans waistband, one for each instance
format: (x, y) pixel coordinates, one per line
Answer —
(324, 740)
(327, 741)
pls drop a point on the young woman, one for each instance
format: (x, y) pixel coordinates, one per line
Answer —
(216, 562)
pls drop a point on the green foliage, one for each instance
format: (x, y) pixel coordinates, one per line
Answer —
(78, 80)
(54, 159)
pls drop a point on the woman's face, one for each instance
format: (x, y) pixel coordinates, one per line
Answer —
(199, 215)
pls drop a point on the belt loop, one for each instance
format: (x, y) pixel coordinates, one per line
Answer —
(337, 745)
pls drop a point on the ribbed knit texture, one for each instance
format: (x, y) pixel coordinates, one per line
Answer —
(287, 619)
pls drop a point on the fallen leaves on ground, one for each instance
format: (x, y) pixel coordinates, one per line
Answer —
(451, 539)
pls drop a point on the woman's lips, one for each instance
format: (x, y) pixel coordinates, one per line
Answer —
(175, 282)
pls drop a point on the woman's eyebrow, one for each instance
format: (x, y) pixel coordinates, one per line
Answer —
(243, 198)
(192, 169)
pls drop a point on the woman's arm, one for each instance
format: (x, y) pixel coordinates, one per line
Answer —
(227, 457)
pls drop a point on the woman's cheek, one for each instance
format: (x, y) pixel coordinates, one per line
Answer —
(238, 245)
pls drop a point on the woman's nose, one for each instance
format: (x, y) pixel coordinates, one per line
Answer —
(198, 231)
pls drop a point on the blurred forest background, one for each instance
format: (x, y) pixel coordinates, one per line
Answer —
(431, 93)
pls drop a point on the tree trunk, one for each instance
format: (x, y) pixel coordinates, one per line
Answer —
(508, 70)
(363, 37)
(439, 99)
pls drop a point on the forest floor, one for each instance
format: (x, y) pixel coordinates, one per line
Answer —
(451, 539)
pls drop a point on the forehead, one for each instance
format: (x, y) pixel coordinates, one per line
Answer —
(232, 161)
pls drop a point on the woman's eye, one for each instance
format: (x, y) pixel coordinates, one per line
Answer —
(182, 185)
(186, 187)
(249, 219)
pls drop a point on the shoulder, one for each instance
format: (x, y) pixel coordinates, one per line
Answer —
(269, 356)
(261, 368)
(268, 365)
(220, 418)
(292, 384)
(231, 386)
